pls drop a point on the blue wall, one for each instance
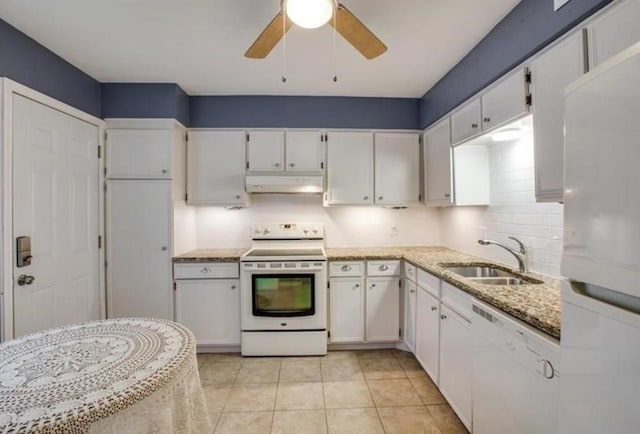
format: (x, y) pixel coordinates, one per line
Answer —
(528, 28)
(145, 100)
(303, 112)
(24, 60)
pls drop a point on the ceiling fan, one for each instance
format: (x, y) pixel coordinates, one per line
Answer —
(311, 14)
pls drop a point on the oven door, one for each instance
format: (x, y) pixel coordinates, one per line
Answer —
(283, 298)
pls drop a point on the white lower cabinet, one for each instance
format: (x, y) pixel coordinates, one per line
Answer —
(364, 309)
(427, 348)
(383, 309)
(207, 300)
(456, 347)
(410, 294)
(346, 309)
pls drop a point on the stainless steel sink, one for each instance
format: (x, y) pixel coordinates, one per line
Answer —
(478, 271)
(489, 275)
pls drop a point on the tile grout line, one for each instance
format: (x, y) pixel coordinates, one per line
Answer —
(275, 399)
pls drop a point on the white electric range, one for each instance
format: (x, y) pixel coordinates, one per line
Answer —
(283, 283)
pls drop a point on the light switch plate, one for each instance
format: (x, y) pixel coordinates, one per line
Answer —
(557, 4)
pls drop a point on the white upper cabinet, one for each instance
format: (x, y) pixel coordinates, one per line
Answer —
(139, 154)
(304, 151)
(437, 165)
(265, 151)
(466, 122)
(397, 168)
(349, 168)
(506, 101)
(614, 31)
(551, 73)
(216, 168)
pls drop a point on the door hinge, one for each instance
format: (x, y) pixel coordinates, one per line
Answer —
(105, 137)
(186, 197)
(529, 100)
(328, 284)
(104, 171)
(419, 198)
(247, 164)
(186, 137)
(527, 75)
(99, 151)
(248, 137)
(328, 334)
(400, 332)
(99, 241)
(322, 164)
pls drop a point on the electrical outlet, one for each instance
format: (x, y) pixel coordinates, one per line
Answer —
(557, 4)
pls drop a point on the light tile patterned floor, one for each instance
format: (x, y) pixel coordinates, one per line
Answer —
(373, 391)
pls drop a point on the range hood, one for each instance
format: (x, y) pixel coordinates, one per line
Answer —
(284, 183)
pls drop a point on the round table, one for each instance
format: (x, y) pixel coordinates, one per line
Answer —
(130, 375)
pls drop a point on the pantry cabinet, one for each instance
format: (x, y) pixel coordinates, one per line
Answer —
(614, 31)
(437, 165)
(397, 169)
(551, 72)
(216, 168)
(208, 301)
(349, 168)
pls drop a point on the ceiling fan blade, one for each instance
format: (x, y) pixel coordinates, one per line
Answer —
(269, 37)
(357, 34)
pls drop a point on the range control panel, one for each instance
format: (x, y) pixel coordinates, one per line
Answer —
(291, 230)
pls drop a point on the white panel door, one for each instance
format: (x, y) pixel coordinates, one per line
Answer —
(55, 202)
(551, 73)
(614, 31)
(505, 102)
(304, 151)
(265, 151)
(139, 154)
(410, 289)
(397, 168)
(210, 309)
(139, 279)
(382, 309)
(456, 347)
(216, 168)
(466, 122)
(349, 168)
(427, 349)
(437, 165)
(346, 309)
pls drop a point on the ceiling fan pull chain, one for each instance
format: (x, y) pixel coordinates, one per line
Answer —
(284, 43)
(335, 51)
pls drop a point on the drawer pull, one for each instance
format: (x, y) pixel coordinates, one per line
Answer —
(205, 270)
(412, 291)
(346, 268)
(357, 286)
(434, 308)
(233, 286)
(164, 171)
(383, 267)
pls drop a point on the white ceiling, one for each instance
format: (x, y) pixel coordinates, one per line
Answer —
(200, 44)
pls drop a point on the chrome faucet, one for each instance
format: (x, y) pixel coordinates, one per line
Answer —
(520, 255)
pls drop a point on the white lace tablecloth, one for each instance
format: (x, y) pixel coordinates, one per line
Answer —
(131, 375)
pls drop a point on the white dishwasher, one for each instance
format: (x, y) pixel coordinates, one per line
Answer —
(515, 377)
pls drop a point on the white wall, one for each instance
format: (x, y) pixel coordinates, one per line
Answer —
(344, 226)
(512, 211)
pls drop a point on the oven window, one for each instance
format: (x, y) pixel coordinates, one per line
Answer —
(283, 294)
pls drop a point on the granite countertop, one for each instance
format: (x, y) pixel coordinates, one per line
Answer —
(536, 304)
(211, 255)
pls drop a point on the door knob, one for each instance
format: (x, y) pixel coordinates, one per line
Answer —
(24, 279)
(163, 248)
(164, 171)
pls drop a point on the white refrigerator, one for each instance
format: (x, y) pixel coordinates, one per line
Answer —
(600, 345)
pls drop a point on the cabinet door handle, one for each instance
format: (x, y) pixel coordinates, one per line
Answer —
(233, 286)
(443, 317)
(447, 195)
(357, 286)
(383, 267)
(277, 164)
(165, 171)
(365, 198)
(373, 285)
(346, 268)
(379, 197)
(237, 196)
(291, 165)
(205, 270)
(412, 291)
(474, 125)
(163, 248)
(434, 308)
(487, 119)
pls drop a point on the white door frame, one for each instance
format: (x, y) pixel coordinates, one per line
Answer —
(9, 88)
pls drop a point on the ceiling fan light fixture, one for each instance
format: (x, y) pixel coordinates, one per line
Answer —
(309, 14)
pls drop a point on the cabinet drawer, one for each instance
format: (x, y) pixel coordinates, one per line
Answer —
(429, 282)
(457, 300)
(410, 271)
(206, 270)
(383, 268)
(346, 269)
